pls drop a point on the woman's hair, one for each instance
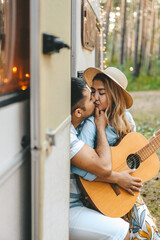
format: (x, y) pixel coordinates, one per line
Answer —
(116, 106)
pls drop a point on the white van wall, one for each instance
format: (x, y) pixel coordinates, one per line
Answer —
(81, 58)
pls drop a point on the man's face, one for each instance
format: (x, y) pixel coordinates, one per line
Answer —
(88, 103)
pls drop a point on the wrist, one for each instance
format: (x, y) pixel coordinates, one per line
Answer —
(117, 177)
(100, 128)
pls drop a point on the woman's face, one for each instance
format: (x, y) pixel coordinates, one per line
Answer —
(99, 94)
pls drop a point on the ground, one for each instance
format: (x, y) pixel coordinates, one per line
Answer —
(146, 113)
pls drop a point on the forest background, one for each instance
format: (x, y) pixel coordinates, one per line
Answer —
(131, 32)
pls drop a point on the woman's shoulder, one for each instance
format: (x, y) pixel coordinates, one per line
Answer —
(129, 115)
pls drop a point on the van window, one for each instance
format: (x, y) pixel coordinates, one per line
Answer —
(14, 46)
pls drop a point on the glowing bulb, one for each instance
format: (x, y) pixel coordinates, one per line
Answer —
(5, 80)
(23, 88)
(14, 69)
(27, 75)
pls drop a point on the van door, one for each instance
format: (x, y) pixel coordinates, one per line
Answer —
(50, 117)
(15, 184)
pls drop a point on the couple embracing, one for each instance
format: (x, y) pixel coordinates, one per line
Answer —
(99, 119)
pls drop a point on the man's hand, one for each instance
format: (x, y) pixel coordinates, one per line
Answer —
(129, 183)
(124, 180)
(100, 119)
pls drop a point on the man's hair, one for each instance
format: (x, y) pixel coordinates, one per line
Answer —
(77, 87)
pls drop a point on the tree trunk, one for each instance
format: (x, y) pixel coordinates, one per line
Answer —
(108, 9)
(135, 64)
(123, 31)
(146, 32)
(142, 36)
(151, 39)
(125, 47)
(131, 31)
(113, 45)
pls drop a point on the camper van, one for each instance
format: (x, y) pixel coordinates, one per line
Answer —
(42, 44)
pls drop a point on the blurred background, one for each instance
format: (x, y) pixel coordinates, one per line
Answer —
(132, 41)
(131, 36)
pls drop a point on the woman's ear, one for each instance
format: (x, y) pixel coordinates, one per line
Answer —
(78, 112)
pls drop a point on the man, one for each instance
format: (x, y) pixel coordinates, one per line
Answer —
(86, 223)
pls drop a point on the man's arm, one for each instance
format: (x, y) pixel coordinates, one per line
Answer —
(124, 180)
(96, 161)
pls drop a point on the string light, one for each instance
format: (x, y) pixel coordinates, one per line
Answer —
(5, 80)
(14, 69)
(27, 75)
(101, 25)
(23, 88)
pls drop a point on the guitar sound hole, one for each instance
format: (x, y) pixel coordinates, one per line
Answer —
(133, 161)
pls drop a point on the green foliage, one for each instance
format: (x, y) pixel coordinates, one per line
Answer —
(147, 127)
(142, 82)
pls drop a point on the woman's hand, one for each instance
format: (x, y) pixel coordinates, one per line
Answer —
(155, 135)
(127, 182)
(100, 119)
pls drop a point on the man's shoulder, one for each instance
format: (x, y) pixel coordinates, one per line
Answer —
(89, 121)
(73, 130)
(75, 143)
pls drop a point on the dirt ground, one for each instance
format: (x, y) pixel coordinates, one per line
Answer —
(146, 113)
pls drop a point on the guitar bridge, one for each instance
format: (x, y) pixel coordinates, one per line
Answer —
(115, 188)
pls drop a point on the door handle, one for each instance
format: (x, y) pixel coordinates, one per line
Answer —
(52, 44)
(51, 134)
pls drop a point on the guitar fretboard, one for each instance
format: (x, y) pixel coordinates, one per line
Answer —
(149, 149)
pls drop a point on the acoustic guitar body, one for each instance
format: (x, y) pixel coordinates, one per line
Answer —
(117, 203)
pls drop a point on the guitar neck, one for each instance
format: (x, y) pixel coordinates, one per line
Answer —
(149, 149)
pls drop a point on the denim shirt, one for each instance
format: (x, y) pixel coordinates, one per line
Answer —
(88, 134)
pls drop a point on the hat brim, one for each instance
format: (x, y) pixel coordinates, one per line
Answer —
(91, 72)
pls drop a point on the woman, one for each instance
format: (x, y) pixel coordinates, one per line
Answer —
(109, 95)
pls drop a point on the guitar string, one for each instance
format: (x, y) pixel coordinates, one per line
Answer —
(141, 153)
(150, 148)
(151, 145)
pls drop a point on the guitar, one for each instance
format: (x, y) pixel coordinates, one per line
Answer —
(133, 152)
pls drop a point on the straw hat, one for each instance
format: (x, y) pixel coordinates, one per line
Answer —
(115, 75)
